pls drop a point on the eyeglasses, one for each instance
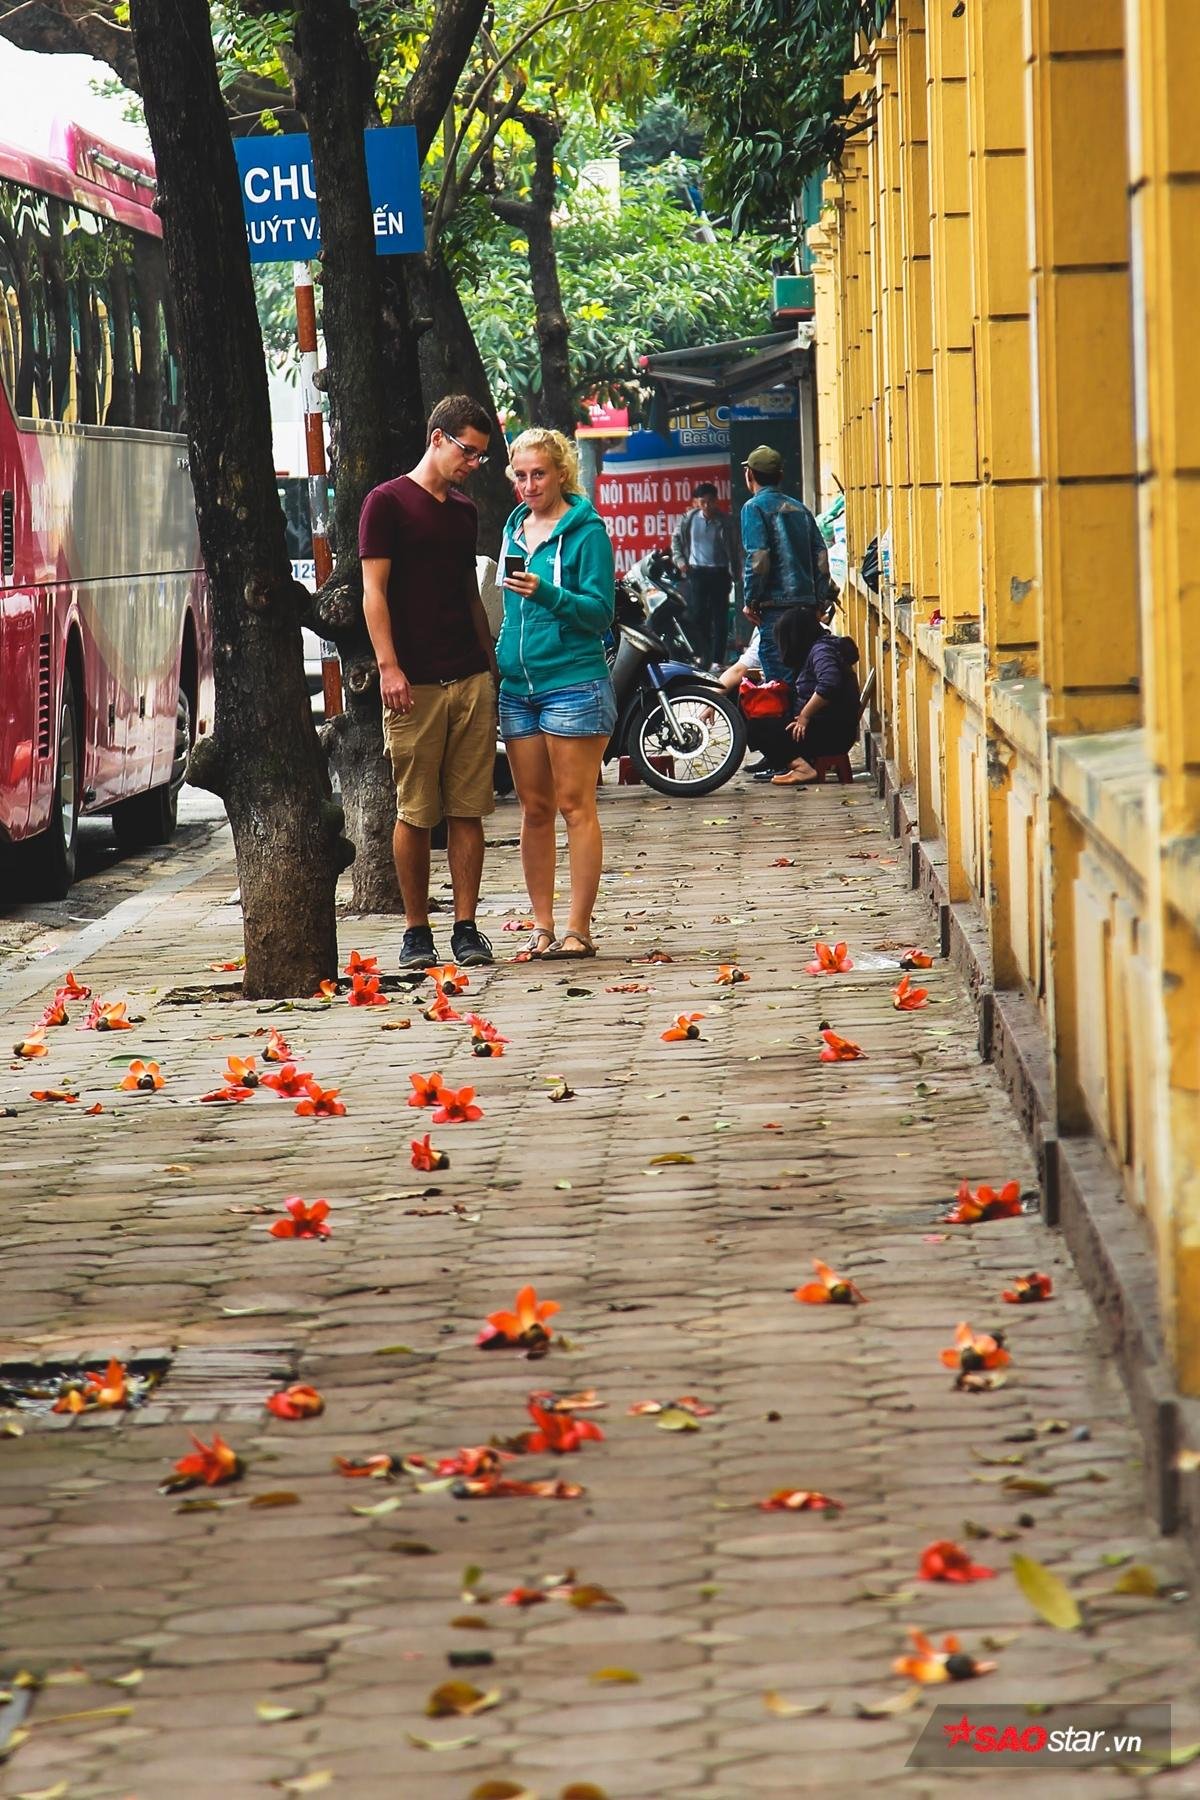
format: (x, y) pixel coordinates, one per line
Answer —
(478, 457)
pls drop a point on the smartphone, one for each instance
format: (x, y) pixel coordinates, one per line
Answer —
(513, 565)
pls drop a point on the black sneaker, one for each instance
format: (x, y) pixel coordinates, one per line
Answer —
(766, 774)
(417, 953)
(468, 946)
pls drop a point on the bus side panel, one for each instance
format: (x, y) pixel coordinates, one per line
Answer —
(18, 709)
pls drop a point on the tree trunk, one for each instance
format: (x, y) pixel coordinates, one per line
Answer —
(263, 758)
(554, 404)
(451, 364)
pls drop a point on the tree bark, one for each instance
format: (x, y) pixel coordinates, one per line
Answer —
(554, 403)
(263, 758)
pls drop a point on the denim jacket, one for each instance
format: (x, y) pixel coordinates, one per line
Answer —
(787, 563)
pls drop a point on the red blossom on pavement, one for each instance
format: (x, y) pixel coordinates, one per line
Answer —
(209, 1465)
(72, 989)
(62, 1094)
(483, 1030)
(288, 1081)
(456, 1108)
(929, 1665)
(476, 1459)
(685, 1026)
(729, 974)
(31, 1046)
(441, 1011)
(277, 1050)
(107, 1016)
(685, 1403)
(525, 1324)
(227, 1096)
(361, 965)
(326, 991)
(944, 1560)
(798, 1500)
(838, 1289)
(295, 1402)
(242, 1071)
(560, 1432)
(984, 1204)
(916, 959)
(492, 1487)
(427, 1090)
(840, 1049)
(906, 998)
(99, 1392)
(91, 1111)
(425, 1157)
(372, 1468)
(320, 1102)
(364, 991)
(524, 1596)
(304, 1221)
(973, 1351)
(448, 978)
(55, 1014)
(1028, 1288)
(828, 961)
(143, 1077)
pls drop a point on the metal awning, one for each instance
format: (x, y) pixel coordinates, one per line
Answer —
(723, 371)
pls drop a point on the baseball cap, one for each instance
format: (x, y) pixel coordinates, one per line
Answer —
(763, 460)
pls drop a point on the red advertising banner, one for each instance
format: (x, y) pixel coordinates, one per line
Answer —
(642, 503)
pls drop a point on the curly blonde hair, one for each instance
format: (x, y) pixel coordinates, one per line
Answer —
(559, 449)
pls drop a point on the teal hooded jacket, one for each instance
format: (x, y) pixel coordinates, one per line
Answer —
(556, 640)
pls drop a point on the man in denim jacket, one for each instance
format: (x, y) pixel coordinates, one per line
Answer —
(786, 561)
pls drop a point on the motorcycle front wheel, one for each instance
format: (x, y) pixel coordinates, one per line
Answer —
(705, 751)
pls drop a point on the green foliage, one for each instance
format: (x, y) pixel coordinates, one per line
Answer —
(663, 130)
(634, 282)
(766, 76)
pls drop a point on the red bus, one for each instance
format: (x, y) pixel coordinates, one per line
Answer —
(105, 631)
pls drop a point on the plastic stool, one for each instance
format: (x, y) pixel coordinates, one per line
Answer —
(833, 765)
(627, 775)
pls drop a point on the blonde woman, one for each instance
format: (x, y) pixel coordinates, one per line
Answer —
(557, 708)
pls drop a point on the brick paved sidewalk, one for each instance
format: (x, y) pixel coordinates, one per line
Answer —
(138, 1229)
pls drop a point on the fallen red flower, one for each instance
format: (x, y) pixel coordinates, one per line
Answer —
(62, 1094)
(524, 1596)
(441, 1011)
(984, 1204)
(906, 998)
(72, 989)
(559, 1432)
(295, 1402)
(916, 959)
(55, 1014)
(304, 1221)
(209, 1465)
(584, 1401)
(526, 1324)
(107, 1016)
(361, 965)
(425, 1157)
(784, 862)
(973, 1351)
(457, 1108)
(448, 978)
(427, 1090)
(91, 1111)
(144, 1077)
(685, 1403)
(277, 1049)
(950, 1663)
(831, 1288)
(798, 1500)
(320, 1102)
(229, 1096)
(288, 1081)
(364, 991)
(489, 1487)
(482, 1047)
(379, 1468)
(99, 1392)
(729, 974)
(840, 1049)
(31, 1046)
(483, 1030)
(828, 961)
(1028, 1288)
(242, 1071)
(326, 991)
(947, 1561)
(685, 1026)
(477, 1459)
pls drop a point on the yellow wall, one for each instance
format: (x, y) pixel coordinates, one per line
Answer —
(1006, 279)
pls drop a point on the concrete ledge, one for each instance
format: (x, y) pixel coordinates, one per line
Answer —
(1081, 1190)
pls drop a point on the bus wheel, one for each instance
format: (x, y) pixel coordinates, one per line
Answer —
(149, 819)
(51, 855)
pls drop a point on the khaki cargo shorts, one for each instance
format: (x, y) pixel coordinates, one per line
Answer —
(443, 753)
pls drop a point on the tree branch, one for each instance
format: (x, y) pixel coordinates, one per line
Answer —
(436, 76)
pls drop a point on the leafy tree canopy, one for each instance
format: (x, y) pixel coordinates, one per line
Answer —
(766, 77)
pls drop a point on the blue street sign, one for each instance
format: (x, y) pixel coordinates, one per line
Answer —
(279, 194)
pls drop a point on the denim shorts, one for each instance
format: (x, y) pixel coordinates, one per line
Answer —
(587, 710)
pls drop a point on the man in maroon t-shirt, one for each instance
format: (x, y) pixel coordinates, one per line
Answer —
(437, 670)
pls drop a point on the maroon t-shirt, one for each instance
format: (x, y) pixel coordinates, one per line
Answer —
(431, 585)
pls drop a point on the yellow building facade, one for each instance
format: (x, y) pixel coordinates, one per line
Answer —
(1007, 282)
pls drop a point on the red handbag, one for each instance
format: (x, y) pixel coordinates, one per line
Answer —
(765, 699)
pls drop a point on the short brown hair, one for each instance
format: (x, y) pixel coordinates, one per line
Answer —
(459, 412)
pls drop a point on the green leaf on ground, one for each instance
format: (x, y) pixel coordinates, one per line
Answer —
(1047, 1593)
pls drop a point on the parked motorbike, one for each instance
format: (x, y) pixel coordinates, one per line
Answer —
(683, 733)
(655, 581)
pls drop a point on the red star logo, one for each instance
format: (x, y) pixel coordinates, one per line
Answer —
(960, 1733)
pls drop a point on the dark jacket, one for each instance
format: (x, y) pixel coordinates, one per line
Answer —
(787, 561)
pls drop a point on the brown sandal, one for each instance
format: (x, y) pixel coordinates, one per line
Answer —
(533, 951)
(557, 952)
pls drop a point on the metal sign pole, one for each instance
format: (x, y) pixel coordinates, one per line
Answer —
(318, 484)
